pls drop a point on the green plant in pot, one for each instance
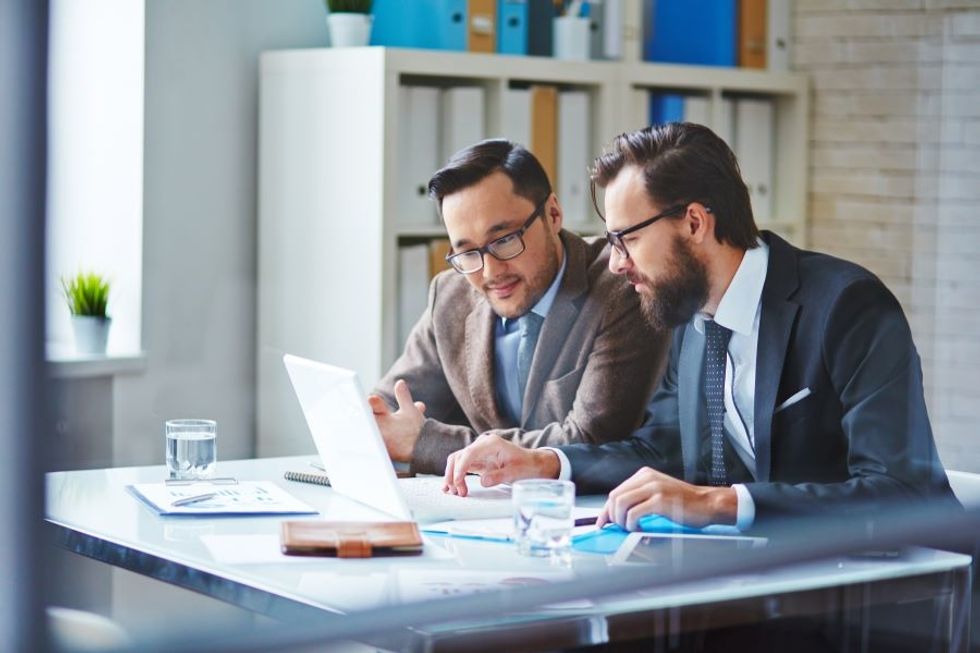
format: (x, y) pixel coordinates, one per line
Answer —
(87, 295)
(349, 22)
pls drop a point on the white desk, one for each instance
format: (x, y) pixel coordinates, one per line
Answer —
(96, 516)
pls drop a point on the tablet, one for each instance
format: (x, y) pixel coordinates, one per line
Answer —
(675, 550)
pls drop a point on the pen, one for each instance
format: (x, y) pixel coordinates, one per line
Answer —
(192, 500)
(585, 521)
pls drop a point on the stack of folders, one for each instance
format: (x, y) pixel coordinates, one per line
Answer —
(518, 27)
(556, 126)
(434, 124)
(746, 33)
(436, 24)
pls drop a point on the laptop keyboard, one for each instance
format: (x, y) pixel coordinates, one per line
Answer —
(426, 499)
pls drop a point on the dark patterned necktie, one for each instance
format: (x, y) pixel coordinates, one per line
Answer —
(716, 350)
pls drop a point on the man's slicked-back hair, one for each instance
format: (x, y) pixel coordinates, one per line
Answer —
(683, 162)
(475, 163)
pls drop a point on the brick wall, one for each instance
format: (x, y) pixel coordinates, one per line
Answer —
(895, 176)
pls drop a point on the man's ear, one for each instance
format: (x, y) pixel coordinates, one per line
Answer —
(700, 222)
(555, 216)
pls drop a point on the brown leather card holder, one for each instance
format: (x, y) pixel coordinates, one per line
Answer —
(349, 539)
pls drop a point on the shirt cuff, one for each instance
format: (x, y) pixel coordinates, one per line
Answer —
(745, 508)
(566, 467)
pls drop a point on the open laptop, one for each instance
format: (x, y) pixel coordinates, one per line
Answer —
(354, 455)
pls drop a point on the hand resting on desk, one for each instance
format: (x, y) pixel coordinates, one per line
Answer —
(497, 461)
(651, 492)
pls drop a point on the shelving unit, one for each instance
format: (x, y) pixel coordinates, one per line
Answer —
(329, 229)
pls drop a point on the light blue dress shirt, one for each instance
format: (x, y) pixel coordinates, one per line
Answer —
(507, 337)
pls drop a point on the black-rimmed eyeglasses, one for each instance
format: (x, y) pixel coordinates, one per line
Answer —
(504, 248)
(615, 238)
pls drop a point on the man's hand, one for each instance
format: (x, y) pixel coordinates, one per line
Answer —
(651, 492)
(497, 461)
(400, 429)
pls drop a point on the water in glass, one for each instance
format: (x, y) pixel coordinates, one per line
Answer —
(191, 448)
(543, 516)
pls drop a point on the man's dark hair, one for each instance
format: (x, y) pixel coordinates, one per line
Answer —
(473, 164)
(682, 163)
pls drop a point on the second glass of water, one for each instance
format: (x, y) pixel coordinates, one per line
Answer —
(543, 516)
(191, 448)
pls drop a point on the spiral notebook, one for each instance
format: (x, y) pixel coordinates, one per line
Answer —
(307, 477)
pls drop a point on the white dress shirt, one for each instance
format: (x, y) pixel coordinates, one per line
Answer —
(739, 310)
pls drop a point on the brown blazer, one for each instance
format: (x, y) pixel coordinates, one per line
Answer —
(594, 367)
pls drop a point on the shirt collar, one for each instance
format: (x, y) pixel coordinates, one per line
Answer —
(739, 306)
(544, 304)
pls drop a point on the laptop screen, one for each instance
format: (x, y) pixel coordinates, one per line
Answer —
(346, 435)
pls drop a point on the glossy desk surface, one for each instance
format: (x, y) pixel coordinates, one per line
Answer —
(96, 516)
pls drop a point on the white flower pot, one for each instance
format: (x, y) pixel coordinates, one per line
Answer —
(349, 30)
(91, 333)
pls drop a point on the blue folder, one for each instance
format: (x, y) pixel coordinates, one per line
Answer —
(666, 107)
(714, 22)
(540, 15)
(512, 26)
(429, 24)
(607, 540)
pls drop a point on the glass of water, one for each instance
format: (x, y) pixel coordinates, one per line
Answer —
(191, 448)
(543, 516)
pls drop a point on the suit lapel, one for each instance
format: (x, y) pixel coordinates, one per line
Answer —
(775, 326)
(480, 363)
(688, 394)
(551, 341)
(564, 311)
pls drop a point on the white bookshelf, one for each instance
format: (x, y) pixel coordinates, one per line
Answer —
(329, 227)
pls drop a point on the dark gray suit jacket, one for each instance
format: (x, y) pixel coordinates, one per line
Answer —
(860, 437)
(594, 368)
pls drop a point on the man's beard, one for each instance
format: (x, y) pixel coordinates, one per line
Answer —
(677, 296)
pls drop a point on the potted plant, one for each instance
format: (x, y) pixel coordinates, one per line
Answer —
(349, 22)
(87, 295)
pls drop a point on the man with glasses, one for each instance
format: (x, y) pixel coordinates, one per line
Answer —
(793, 385)
(529, 336)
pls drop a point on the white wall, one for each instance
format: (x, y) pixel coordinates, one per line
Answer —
(95, 162)
(895, 155)
(199, 217)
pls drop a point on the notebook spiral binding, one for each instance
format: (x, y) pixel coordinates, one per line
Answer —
(307, 477)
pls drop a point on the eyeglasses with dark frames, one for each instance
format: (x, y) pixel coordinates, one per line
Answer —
(506, 247)
(615, 238)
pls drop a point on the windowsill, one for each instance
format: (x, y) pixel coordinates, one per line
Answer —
(69, 365)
